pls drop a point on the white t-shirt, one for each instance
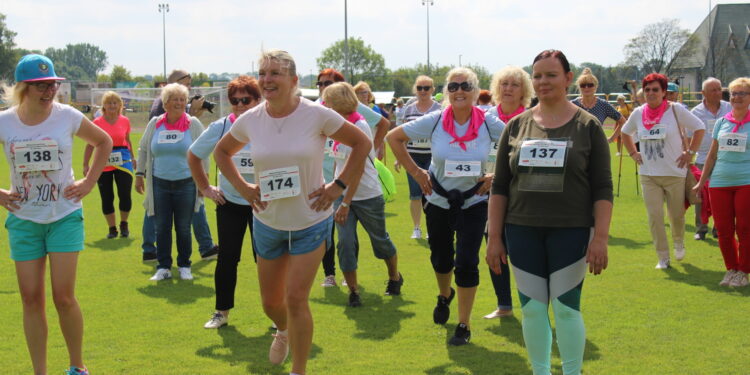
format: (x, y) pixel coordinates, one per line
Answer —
(660, 155)
(710, 120)
(369, 185)
(296, 141)
(44, 151)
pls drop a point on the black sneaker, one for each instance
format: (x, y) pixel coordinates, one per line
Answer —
(211, 254)
(462, 336)
(354, 300)
(112, 233)
(124, 230)
(442, 310)
(394, 287)
(149, 257)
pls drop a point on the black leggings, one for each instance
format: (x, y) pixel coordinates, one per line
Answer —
(232, 220)
(124, 181)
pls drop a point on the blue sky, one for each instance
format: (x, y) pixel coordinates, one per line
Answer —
(226, 35)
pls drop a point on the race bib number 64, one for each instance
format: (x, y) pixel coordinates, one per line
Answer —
(542, 153)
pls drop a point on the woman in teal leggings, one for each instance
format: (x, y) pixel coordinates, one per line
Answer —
(552, 199)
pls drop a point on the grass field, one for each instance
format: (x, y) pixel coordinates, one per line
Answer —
(638, 320)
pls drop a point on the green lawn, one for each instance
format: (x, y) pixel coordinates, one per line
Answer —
(639, 320)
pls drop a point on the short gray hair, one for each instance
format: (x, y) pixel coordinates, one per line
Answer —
(709, 80)
(173, 89)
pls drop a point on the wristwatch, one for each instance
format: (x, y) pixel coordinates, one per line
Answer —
(691, 152)
(344, 204)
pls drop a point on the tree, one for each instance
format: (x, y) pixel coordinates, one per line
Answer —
(120, 74)
(80, 61)
(8, 54)
(364, 63)
(655, 46)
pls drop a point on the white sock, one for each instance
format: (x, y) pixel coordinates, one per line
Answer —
(280, 332)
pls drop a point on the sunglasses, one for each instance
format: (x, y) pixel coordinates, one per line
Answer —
(424, 88)
(323, 84)
(739, 94)
(44, 86)
(652, 89)
(586, 85)
(244, 100)
(465, 86)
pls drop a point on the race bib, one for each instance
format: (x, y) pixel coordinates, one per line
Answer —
(243, 162)
(279, 183)
(329, 147)
(34, 156)
(421, 143)
(542, 153)
(656, 132)
(493, 150)
(115, 158)
(734, 142)
(455, 168)
(170, 136)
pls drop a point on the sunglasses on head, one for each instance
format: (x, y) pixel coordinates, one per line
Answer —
(244, 100)
(424, 88)
(465, 86)
(323, 84)
(44, 86)
(586, 85)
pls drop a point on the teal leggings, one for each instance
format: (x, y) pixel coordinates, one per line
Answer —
(549, 265)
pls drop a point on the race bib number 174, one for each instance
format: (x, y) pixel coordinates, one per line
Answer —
(279, 183)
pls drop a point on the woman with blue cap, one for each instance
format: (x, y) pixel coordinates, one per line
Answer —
(45, 216)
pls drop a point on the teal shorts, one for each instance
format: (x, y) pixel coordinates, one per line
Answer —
(30, 240)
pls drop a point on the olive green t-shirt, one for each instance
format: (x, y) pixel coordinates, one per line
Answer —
(552, 177)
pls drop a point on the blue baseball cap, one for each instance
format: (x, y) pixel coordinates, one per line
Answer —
(672, 87)
(35, 68)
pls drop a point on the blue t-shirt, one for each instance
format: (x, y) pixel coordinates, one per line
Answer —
(732, 168)
(443, 151)
(601, 110)
(204, 146)
(169, 149)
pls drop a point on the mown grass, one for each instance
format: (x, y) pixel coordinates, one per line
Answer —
(638, 320)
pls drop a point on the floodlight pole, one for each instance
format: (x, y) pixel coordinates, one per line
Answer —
(346, 44)
(428, 3)
(163, 9)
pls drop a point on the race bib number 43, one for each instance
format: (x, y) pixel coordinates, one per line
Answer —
(735, 142)
(542, 153)
(279, 183)
(455, 168)
(34, 156)
(170, 136)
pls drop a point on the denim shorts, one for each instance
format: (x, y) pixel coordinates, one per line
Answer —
(423, 161)
(29, 240)
(272, 243)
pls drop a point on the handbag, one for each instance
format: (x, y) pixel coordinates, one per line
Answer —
(690, 181)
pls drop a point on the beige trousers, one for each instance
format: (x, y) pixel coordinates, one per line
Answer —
(657, 190)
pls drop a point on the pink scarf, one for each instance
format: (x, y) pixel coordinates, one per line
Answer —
(651, 116)
(182, 124)
(232, 118)
(477, 118)
(505, 118)
(737, 123)
(353, 118)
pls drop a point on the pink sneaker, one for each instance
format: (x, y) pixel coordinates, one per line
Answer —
(279, 349)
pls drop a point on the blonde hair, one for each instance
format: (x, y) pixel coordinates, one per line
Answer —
(586, 77)
(512, 73)
(341, 98)
(282, 57)
(111, 95)
(742, 81)
(15, 94)
(422, 78)
(471, 78)
(362, 85)
(172, 89)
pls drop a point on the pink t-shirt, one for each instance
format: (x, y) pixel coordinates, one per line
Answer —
(118, 132)
(297, 140)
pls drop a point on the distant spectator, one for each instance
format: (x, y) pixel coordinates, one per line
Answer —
(587, 84)
(484, 101)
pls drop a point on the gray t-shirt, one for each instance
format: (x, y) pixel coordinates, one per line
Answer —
(709, 119)
(411, 113)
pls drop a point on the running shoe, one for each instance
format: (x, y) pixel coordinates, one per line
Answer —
(279, 349)
(185, 273)
(739, 280)
(161, 274)
(112, 233)
(416, 234)
(499, 313)
(442, 310)
(149, 257)
(77, 371)
(354, 299)
(663, 264)
(727, 278)
(700, 236)
(124, 230)
(329, 281)
(394, 286)
(679, 252)
(462, 336)
(211, 254)
(217, 321)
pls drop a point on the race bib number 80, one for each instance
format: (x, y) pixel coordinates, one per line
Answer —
(279, 183)
(542, 153)
(170, 136)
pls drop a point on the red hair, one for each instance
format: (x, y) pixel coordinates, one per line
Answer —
(655, 77)
(485, 96)
(337, 77)
(246, 83)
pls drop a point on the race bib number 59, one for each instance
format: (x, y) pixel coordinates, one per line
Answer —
(279, 183)
(542, 153)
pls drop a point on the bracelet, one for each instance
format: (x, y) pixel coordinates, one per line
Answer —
(340, 183)
(140, 174)
(344, 204)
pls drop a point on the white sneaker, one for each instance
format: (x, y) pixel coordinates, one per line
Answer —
(727, 278)
(416, 234)
(185, 273)
(217, 320)
(739, 280)
(161, 274)
(663, 264)
(343, 283)
(329, 281)
(679, 252)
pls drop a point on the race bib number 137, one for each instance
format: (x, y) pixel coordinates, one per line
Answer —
(542, 153)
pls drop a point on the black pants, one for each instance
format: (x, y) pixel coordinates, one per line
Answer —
(124, 181)
(231, 220)
(441, 226)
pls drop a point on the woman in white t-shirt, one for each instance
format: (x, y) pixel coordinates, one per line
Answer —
(663, 161)
(292, 205)
(45, 215)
